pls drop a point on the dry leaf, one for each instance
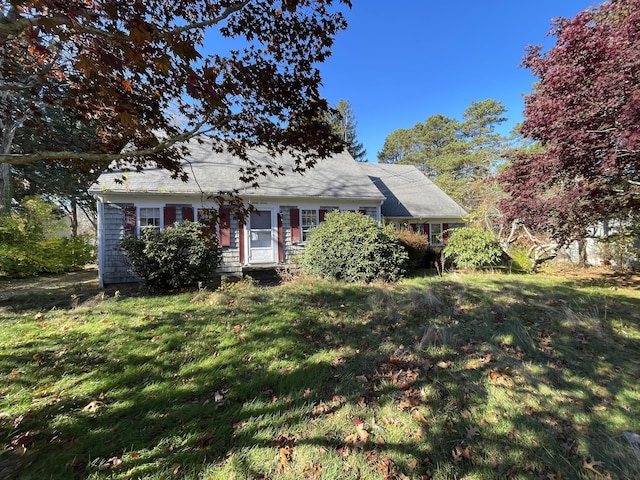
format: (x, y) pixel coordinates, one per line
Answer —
(93, 406)
(590, 464)
(460, 453)
(114, 463)
(312, 471)
(472, 432)
(284, 457)
(363, 435)
(362, 379)
(421, 431)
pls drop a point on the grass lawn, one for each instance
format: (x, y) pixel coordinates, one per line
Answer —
(466, 376)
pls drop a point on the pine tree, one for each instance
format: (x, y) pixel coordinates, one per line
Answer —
(344, 124)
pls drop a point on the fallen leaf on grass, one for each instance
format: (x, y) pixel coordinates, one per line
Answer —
(21, 442)
(114, 463)
(362, 379)
(472, 432)
(498, 378)
(590, 465)
(363, 435)
(460, 453)
(444, 365)
(284, 458)
(312, 471)
(93, 406)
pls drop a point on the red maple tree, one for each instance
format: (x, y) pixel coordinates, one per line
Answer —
(585, 114)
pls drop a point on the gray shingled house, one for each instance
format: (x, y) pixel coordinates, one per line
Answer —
(288, 206)
(414, 202)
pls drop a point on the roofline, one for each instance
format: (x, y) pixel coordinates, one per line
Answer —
(101, 193)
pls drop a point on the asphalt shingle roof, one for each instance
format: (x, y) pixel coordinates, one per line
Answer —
(211, 172)
(409, 193)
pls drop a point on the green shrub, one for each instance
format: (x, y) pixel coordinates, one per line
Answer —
(353, 247)
(519, 258)
(179, 256)
(473, 248)
(30, 243)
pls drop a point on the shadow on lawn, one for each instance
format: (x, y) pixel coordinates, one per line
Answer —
(197, 402)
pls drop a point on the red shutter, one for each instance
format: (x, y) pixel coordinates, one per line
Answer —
(321, 214)
(414, 227)
(225, 227)
(280, 239)
(294, 222)
(129, 220)
(241, 242)
(427, 231)
(169, 216)
(187, 214)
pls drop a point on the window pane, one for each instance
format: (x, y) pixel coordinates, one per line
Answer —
(149, 217)
(436, 233)
(260, 238)
(261, 220)
(309, 220)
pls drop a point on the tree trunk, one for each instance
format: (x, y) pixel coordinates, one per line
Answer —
(6, 190)
(582, 253)
(74, 217)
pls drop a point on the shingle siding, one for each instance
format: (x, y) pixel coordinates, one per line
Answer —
(116, 269)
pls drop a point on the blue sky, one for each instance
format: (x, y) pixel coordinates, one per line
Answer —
(401, 62)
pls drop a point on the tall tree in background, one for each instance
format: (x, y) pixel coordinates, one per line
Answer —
(62, 183)
(139, 73)
(459, 156)
(585, 113)
(343, 123)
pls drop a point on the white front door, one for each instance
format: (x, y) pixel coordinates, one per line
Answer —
(262, 237)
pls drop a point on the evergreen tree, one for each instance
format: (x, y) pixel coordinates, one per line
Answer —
(344, 124)
(458, 155)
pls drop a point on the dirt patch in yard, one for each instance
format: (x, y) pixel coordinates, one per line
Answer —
(57, 291)
(601, 276)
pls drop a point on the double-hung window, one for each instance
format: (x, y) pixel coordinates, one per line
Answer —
(435, 229)
(149, 218)
(308, 220)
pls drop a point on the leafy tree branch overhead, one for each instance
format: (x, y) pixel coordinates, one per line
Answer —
(585, 114)
(138, 73)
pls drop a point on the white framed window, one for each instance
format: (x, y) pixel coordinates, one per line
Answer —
(149, 218)
(308, 220)
(435, 231)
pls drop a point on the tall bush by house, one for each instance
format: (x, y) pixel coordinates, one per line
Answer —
(31, 242)
(416, 244)
(473, 248)
(179, 256)
(354, 247)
